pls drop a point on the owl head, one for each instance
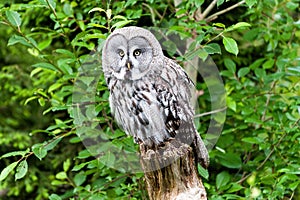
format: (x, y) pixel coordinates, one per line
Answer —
(129, 53)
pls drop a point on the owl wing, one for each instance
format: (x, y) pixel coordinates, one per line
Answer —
(174, 92)
(179, 113)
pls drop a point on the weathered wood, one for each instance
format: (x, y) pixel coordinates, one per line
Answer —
(170, 172)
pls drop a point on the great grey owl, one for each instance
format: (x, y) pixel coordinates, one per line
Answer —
(150, 94)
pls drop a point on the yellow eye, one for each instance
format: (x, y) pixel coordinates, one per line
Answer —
(121, 53)
(137, 52)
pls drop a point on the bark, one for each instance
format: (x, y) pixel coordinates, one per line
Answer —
(168, 178)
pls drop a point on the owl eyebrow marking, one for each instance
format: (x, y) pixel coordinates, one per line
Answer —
(139, 38)
(149, 46)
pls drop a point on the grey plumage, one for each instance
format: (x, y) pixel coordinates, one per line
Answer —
(149, 93)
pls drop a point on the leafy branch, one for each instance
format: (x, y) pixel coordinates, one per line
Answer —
(215, 15)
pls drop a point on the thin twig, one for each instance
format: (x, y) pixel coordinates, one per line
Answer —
(209, 8)
(265, 160)
(267, 102)
(269, 155)
(211, 112)
(213, 16)
(152, 11)
(292, 195)
(244, 178)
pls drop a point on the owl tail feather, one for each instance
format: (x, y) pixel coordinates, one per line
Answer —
(201, 153)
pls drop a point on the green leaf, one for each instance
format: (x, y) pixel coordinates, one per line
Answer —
(39, 150)
(294, 185)
(33, 52)
(292, 6)
(81, 25)
(54, 197)
(219, 25)
(230, 102)
(252, 34)
(44, 44)
(79, 179)
(58, 182)
(250, 3)
(180, 12)
(13, 17)
(97, 9)
(222, 179)
(256, 63)
(234, 188)
(227, 73)
(80, 166)
(41, 101)
(32, 42)
(49, 3)
(251, 179)
(30, 99)
(35, 71)
(14, 153)
(230, 45)
(67, 165)
(45, 66)
(67, 8)
(66, 52)
(230, 65)
(108, 159)
(202, 54)
(97, 25)
(260, 73)
(220, 2)
(108, 13)
(253, 119)
(55, 86)
(121, 23)
(269, 64)
(243, 71)
(170, 47)
(212, 48)
(41, 92)
(230, 160)
(238, 26)
(21, 170)
(198, 52)
(252, 140)
(294, 70)
(52, 143)
(14, 39)
(199, 3)
(203, 172)
(64, 66)
(130, 3)
(7, 170)
(84, 154)
(120, 17)
(61, 175)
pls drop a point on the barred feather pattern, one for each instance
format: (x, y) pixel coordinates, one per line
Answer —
(155, 107)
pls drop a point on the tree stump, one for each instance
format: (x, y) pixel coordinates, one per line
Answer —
(171, 173)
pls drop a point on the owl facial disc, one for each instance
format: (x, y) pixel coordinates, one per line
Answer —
(128, 55)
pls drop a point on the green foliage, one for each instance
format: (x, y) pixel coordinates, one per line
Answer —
(44, 44)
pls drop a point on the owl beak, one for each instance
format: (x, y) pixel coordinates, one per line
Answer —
(129, 65)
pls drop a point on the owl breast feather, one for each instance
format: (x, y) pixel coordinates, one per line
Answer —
(147, 110)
